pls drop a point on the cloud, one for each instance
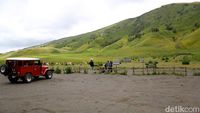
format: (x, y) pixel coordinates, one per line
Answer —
(25, 23)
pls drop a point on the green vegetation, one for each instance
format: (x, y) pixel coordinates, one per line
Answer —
(185, 60)
(151, 64)
(124, 72)
(167, 33)
(196, 74)
(67, 70)
(57, 70)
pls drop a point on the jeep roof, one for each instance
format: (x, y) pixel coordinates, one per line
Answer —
(23, 59)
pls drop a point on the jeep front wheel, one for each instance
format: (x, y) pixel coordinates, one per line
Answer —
(28, 78)
(49, 74)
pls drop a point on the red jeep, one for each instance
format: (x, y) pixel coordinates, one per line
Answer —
(25, 69)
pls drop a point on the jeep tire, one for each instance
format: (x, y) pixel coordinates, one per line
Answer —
(13, 79)
(28, 78)
(4, 69)
(49, 74)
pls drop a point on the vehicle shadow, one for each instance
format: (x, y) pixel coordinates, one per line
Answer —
(33, 81)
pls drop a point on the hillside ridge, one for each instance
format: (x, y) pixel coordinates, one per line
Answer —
(164, 31)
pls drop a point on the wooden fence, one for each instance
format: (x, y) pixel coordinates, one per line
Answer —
(141, 71)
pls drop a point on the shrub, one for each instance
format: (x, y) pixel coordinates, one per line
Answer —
(185, 60)
(78, 70)
(151, 64)
(196, 74)
(67, 70)
(154, 73)
(57, 70)
(166, 59)
(124, 72)
(115, 71)
(163, 73)
(85, 70)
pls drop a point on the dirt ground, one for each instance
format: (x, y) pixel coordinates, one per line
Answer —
(81, 93)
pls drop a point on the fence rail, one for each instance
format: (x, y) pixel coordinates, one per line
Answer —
(140, 71)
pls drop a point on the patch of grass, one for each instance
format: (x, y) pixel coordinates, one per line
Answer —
(85, 70)
(67, 70)
(196, 74)
(124, 72)
(57, 70)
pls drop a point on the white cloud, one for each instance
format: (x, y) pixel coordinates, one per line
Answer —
(25, 23)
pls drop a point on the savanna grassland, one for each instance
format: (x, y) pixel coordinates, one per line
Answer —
(167, 34)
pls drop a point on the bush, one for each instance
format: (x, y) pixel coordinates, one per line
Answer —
(185, 60)
(57, 70)
(154, 73)
(85, 70)
(124, 72)
(166, 59)
(196, 74)
(115, 71)
(163, 73)
(151, 64)
(67, 70)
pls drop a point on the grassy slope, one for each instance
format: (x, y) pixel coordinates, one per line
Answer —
(131, 37)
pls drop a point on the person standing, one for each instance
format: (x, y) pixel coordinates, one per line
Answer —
(91, 63)
(106, 65)
(110, 64)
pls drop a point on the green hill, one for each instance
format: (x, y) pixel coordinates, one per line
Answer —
(170, 30)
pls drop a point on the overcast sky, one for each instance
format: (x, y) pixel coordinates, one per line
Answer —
(24, 23)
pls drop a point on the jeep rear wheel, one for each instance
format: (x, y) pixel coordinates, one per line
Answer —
(13, 79)
(4, 69)
(28, 78)
(49, 74)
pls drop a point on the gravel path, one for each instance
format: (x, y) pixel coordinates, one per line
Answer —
(80, 93)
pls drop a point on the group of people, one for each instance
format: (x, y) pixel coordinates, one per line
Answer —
(107, 66)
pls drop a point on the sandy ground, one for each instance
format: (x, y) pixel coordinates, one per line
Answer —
(80, 93)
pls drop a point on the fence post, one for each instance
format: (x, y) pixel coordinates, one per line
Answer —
(147, 70)
(185, 71)
(143, 70)
(174, 70)
(133, 71)
(154, 70)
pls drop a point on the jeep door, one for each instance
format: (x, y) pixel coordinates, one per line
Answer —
(27, 67)
(37, 67)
